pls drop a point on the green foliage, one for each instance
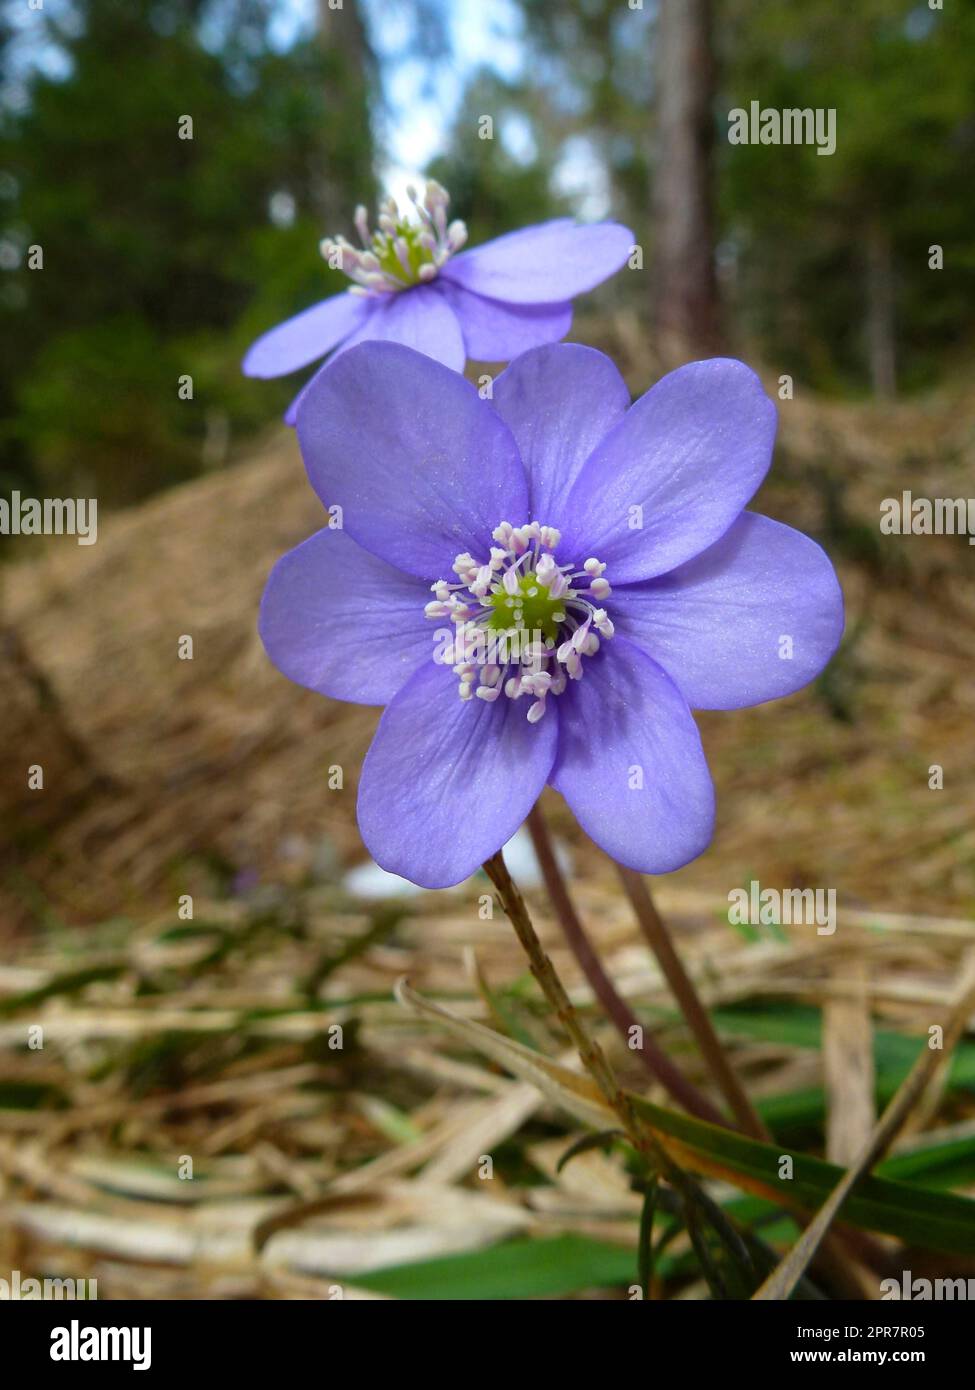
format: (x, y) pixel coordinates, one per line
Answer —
(547, 1268)
(161, 259)
(797, 231)
(899, 76)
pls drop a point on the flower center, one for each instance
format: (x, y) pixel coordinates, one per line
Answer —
(522, 622)
(401, 253)
(531, 604)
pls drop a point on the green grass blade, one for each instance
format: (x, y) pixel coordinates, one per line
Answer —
(515, 1269)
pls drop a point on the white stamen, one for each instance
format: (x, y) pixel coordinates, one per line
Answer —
(388, 261)
(546, 570)
(521, 628)
(580, 636)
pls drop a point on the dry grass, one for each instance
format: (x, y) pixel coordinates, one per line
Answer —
(312, 1164)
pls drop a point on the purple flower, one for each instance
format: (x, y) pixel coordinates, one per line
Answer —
(539, 588)
(411, 287)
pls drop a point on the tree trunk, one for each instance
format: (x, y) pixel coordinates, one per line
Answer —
(880, 313)
(685, 282)
(351, 79)
(342, 27)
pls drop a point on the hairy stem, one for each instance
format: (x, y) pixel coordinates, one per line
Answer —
(659, 940)
(590, 1053)
(654, 1059)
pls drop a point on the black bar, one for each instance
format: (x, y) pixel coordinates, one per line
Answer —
(257, 1337)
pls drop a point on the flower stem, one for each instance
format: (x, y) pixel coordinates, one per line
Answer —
(660, 942)
(654, 1059)
(590, 1053)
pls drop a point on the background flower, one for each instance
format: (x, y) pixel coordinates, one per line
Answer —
(696, 602)
(490, 303)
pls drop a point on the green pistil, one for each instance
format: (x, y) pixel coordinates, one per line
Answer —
(385, 252)
(532, 604)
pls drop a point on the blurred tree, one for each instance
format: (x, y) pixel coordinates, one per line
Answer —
(831, 254)
(344, 38)
(592, 59)
(166, 245)
(686, 289)
(492, 189)
(569, 132)
(823, 260)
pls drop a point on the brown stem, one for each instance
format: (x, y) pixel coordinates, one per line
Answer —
(590, 1053)
(654, 1059)
(693, 1010)
(836, 1258)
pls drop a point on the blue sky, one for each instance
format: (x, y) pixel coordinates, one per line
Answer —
(421, 113)
(422, 105)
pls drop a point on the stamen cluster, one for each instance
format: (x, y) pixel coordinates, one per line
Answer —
(401, 253)
(523, 623)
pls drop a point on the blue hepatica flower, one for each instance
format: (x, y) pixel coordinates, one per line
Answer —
(411, 287)
(608, 539)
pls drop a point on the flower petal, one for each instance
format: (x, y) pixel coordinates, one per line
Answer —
(291, 414)
(339, 621)
(558, 402)
(675, 473)
(448, 781)
(496, 332)
(630, 762)
(421, 466)
(308, 336)
(552, 262)
(716, 625)
(419, 318)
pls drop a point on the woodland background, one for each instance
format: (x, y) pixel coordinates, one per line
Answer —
(167, 256)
